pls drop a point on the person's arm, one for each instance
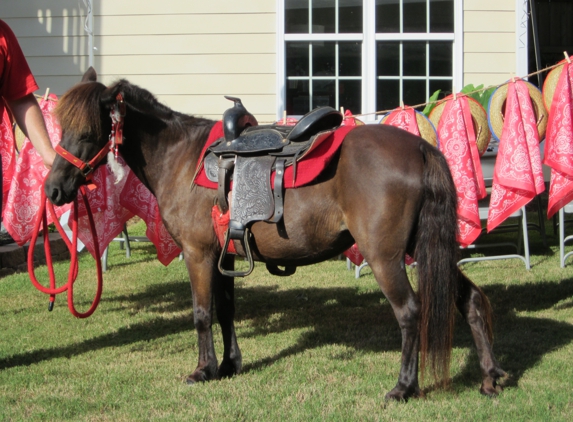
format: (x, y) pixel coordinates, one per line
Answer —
(29, 118)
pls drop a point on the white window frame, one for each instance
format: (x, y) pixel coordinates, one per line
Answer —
(368, 39)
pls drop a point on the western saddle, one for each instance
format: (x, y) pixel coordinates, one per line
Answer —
(247, 155)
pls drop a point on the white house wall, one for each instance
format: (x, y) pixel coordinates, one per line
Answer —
(190, 53)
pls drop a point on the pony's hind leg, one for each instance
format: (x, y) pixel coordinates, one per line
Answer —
(393, 281)
(224, 289)
(475, 307)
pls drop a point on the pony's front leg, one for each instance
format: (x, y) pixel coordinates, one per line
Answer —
(475, 307)
(225, 306)
(201, 275)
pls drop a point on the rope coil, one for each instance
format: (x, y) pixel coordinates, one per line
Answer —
(42, 224)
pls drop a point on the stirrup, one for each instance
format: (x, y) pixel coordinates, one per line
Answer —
(248, 255)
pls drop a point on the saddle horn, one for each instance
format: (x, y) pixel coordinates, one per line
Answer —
(236, 119)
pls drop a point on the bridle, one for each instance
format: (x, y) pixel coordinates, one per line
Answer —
(117, 113)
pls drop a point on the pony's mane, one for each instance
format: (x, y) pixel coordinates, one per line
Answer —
(78, 110)
(141, 99)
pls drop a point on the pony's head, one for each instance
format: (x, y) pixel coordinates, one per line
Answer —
(83, 114)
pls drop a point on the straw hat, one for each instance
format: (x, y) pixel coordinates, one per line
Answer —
(426, 128)
(479, 119)
(550, 84)
(496, 110)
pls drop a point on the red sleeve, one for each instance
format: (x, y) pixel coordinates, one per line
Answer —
(16, 79)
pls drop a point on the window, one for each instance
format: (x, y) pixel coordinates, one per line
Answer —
(364, 55)
(324, 54)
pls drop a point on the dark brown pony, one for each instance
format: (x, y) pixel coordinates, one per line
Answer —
(387, 190)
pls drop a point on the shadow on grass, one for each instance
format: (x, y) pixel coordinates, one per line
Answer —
(363, 321)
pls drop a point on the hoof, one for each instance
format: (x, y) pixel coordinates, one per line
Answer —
(489, 386)
(403, 394)
(196, 377)
(227, 370)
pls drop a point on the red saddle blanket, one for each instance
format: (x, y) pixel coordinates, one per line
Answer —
(308, 168)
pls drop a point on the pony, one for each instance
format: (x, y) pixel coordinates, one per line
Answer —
(389, 191)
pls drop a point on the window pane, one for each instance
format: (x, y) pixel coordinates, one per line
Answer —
(414, 58)
(387, 94)
(441, 15)
(444, 86)
(350, 56)
(323, 16)
(298, 97)
(387, 16)
(297, 62)
(350, 16)
(414, 92)
(350, 96)
(388, 59)
(323, 93)
(296, 16)
(441, 63)
(323, 58)
(414, 16)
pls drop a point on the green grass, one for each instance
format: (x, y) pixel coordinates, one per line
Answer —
(320, 345)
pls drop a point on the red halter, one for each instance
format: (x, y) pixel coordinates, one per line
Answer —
(115, 138)
(86, 168)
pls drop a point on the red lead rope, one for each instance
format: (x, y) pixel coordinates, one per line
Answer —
(72, 247)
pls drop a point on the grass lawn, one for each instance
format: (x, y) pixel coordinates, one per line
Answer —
(319, 345)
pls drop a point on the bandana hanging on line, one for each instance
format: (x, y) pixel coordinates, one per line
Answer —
(458, 144)
(517, 175)
(559, 143)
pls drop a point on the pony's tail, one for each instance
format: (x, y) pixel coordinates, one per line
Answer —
(436, 254)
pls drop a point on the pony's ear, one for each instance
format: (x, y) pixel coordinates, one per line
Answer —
(90, 75)
(109, 95)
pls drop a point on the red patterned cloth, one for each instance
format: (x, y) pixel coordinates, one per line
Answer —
(220, 225)
(559, 142)
(7, 151)
(112, 204)
(354, 255)
(517, 175)
(404, 118)
(458, 144)
(23, 199)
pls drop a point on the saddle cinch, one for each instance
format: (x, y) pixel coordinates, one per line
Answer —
(247, 155)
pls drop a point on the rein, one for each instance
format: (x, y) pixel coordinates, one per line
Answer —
(53, 290)
(117, 114)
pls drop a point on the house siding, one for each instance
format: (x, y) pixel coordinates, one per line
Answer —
(189, 54)
(489, 41)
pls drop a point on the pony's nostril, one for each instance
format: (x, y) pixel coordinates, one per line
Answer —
(54, 195)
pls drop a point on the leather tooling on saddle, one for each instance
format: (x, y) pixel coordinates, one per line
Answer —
(247, 155)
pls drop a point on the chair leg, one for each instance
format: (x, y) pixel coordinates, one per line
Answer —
(562, 238)
(126, 241)
(525, 239)
(104, 260)
(541, 220)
